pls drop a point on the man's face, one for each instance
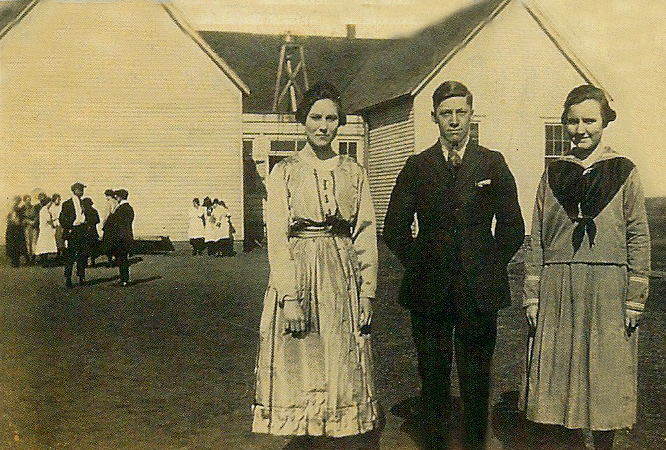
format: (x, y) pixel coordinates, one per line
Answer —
(453, 117)
(78, 192)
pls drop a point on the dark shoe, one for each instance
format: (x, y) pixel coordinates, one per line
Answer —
(82, 281)
(68, 283)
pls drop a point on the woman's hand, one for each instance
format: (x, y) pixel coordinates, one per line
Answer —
(531, 313)
(365, 318)
(293, 314)
(631, 320)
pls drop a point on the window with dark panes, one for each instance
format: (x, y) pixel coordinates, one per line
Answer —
(557, 141)
(348, 148)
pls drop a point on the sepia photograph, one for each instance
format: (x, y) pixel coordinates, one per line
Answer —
(332, 224)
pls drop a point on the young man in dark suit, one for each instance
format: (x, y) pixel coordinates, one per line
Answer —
(72, 221)
(120, 235)
(455, 268)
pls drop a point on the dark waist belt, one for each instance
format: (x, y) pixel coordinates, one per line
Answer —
(332, 226)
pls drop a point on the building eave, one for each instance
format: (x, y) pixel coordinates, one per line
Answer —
(458, 48)
(179, 20)
(18, 18)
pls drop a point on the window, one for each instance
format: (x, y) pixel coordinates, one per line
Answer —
(474, 132)
(557, 141)
(247, 149)
(286, 146)
(348, 148)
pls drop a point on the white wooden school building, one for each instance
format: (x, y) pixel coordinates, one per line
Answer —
(126, 94)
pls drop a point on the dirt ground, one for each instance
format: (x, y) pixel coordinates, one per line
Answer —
(167, 362)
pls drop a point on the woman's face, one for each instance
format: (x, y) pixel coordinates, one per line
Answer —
(585, 124)
(322, 122)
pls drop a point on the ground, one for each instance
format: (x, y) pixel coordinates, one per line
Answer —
(167, 362)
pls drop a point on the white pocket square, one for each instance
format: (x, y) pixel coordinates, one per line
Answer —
(483, 183)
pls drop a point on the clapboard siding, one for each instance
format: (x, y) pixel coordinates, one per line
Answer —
(391, 141)
(115, 94)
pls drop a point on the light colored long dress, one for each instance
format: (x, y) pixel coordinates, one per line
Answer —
(588, 262)
(322, 250)
(46, 240)
(195, 229)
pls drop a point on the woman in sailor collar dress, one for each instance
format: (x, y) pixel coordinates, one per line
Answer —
(587, 280)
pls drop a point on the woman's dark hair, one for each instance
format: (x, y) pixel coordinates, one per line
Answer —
(196, 200)
(86, 202)
(319, 91)
(55, 196)
(589, 92)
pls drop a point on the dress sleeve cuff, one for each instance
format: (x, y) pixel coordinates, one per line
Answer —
(637, 291)
(635, 306)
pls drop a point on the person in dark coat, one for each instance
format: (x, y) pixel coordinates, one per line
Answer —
(118, 229)
(455, 268)
(14, 235)
(92, 219)
(72, 220)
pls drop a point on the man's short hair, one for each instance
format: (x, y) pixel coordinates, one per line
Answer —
(450, 89)
(77, 185)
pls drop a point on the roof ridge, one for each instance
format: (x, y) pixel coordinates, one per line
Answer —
(21, 13)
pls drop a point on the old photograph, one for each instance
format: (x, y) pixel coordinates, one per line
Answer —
(319, 224)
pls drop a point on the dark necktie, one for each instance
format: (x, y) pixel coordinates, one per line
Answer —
(454, 157)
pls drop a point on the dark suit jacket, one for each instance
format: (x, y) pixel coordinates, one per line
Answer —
(67, 215)
(118, 228)
(454, 217)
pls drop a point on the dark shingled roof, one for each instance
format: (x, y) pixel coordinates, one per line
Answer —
(403, 64)
(255, 58)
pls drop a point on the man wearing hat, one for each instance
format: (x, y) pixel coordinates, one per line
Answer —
(118, 227)
(74, 232)
(455, 277)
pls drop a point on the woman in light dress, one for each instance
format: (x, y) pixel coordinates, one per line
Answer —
(46, 239)
(54, 210)
(587, 280)
(225, 243)
(314, 368)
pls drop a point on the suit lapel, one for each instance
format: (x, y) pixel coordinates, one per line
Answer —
(437, 167)
(471, 163)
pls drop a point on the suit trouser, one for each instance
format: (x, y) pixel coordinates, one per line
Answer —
(76, 252)
(472, 333)
(121, 254)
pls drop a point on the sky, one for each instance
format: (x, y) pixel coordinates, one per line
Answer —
(623, 43)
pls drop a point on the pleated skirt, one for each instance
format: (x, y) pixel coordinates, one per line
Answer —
(582, 371)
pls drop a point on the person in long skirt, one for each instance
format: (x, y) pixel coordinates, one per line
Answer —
(587, 280)
(314, 367)
(46, 240)
(93, 244)
(30, 226)
(14, 235)
(195, 229)
(54, 209)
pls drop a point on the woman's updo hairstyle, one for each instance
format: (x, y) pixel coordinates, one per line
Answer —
(319, 91)
(589, 92)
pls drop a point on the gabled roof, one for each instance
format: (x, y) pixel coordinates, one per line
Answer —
(12, 12)
(403, 65)
(255, 58)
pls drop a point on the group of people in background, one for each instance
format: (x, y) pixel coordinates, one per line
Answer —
(83, 227)
(70, 231)
(210, 228)
(33, 230)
